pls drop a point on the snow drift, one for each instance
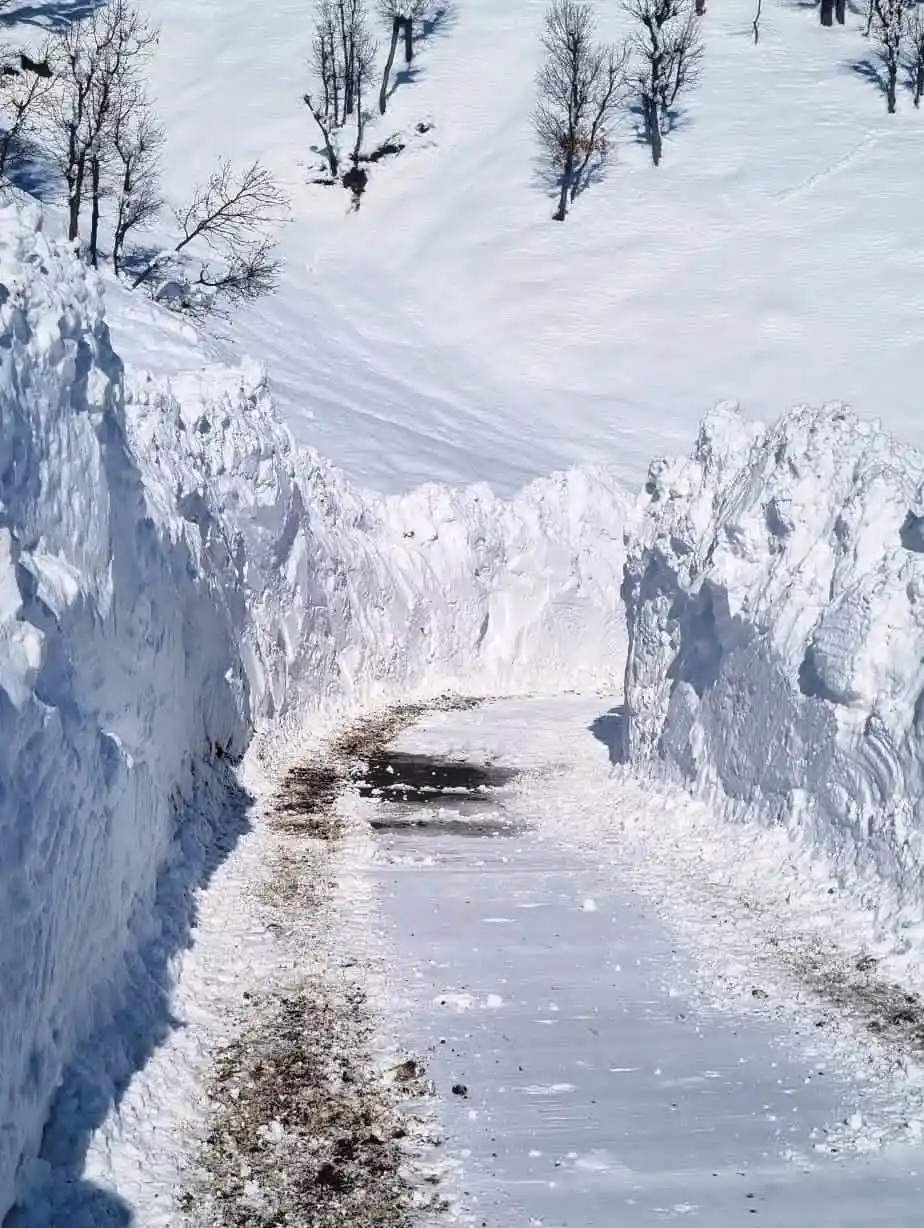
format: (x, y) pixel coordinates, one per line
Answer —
(172, 573)
(774, 592)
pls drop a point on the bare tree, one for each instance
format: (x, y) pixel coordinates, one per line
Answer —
(341, 64)
(363, 71)
(22, 97)
(137, 143)
(228, 220)
(94, 63)
(888, 31)
(400, 17)
(581, 86)
(916, 51)
(666, 49)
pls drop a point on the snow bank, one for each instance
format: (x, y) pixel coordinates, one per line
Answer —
(774, 592)
(171, 573)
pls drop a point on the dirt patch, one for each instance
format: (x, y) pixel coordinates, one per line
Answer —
(392, 776)
(305, 1130)
(447, 825)
(306, 803)
(889, 1012)
(307, 1133)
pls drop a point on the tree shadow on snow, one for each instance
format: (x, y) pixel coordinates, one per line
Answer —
(406, 75)
(547, 178)
(50, 15)
(868, 70)
(438, 23)
(96, 1080)
(31, 170)
(609, 729)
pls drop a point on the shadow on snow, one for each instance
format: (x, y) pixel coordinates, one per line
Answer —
(96, 1079)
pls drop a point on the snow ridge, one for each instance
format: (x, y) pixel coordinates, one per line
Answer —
(774, 592)
(173, 573)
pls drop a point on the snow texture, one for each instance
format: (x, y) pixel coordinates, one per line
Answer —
(774, 592)
(173, 573)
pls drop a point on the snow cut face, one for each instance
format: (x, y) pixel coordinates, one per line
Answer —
(773, 592)
(173, 573)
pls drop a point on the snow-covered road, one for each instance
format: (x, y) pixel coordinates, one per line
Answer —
(599, 1085)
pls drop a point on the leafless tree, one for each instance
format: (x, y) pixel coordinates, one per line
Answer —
(666, 53)
(22, 94)
(400, 17)
(364, 53)
(228, 221)
(94, 63)
(137, 143)
(341, 64)
(581, 85)
(888, 32)
(915, 43)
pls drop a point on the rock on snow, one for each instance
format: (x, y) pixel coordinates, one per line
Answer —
(774, 592)
(172, 573)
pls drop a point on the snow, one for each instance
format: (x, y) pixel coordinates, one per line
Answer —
(773, 595)
(173, 574)
(178, 571)
(450, 331)
(631, 1074)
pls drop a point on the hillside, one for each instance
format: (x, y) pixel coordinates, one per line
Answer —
(449, 330)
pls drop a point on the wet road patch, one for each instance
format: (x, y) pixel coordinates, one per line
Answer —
(394, 776)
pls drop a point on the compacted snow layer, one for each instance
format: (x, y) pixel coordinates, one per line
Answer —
(774, 593)
(172, 573)
(608, 1065)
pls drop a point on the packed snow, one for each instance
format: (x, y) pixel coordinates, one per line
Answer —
(172, 574)
(774, 593)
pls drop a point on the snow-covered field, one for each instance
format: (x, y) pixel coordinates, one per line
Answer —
(448, 331)
(181, 567)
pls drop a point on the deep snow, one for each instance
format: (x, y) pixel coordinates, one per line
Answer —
(172, 574)
(173, 571)
(773, 597)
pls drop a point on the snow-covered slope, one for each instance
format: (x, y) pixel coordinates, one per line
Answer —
(451, 331)
(171, 572)
(775, 599)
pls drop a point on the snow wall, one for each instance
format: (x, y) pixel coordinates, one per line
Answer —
(774, 592)
(171, 575)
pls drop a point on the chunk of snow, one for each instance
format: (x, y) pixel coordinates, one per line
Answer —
(774, 592)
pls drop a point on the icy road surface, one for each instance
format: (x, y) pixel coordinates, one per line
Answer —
(593, 1085)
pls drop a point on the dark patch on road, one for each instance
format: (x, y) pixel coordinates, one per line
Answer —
(306, 803)
(306, 1132)
(392, 776)
(447, 825)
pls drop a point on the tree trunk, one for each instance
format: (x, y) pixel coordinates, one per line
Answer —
(94, 215)
(840, 11)
(120, 234)
(408, 40)
(891, 82)
(756, 25)
(827, 12)
(567, 179)
(700, 8)
(389, 63)
(653, 129)
(918, 80)
(74, 194)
